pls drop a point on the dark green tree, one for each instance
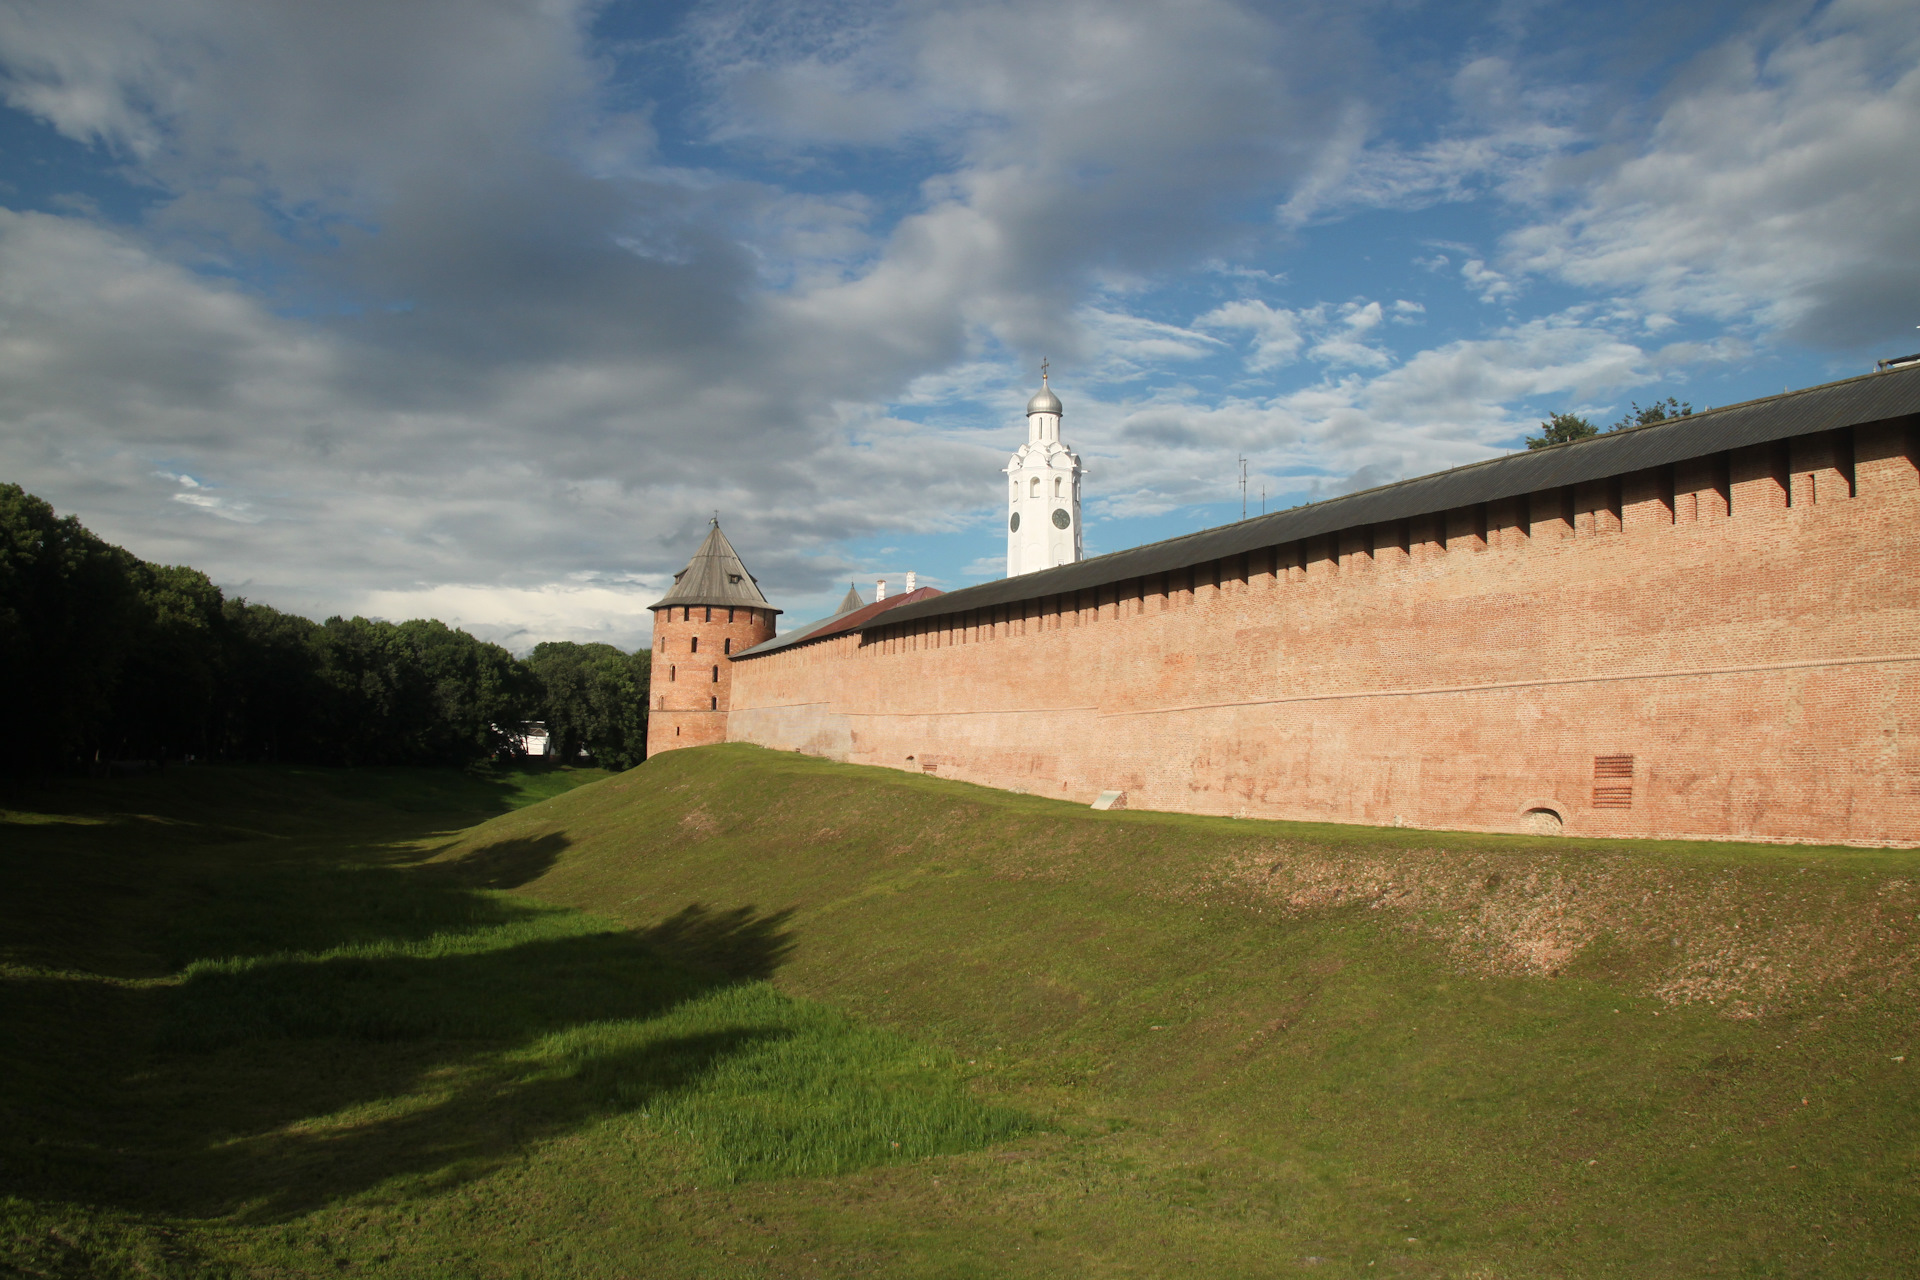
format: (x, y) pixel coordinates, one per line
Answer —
(594, 697)
(166, 702)
(1562, 428)
(272, 700)
(68, 604)
(114, 658)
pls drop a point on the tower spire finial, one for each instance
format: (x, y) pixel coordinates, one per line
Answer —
(1043, 371)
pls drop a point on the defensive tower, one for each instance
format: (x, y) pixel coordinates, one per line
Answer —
(713, 610)
(1043, 491)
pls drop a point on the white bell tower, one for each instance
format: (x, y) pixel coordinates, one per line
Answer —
(1043, 491)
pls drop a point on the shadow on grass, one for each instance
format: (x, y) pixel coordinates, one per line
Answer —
(735, 945)
(507, 864)
(341, 1015)
(280, 1084)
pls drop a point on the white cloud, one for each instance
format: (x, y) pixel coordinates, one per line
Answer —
(1777, 186)
(1277, 338)
(521, 617)
(1484, 280)
(1279, 335)
(1444, 406)
(420, 307)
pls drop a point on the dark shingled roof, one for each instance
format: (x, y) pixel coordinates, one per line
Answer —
(1873, 397)
(714, 576)
(838, 623)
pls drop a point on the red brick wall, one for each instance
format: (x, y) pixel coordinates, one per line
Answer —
(693, 671)
(1745, 626)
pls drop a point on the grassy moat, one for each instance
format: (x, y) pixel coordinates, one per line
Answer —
(736, 1013)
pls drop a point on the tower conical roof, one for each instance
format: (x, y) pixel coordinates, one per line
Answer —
(850, 601)
(715, 575)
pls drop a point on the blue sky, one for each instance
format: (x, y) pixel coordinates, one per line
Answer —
(478, 309)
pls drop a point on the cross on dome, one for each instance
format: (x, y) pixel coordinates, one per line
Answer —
(1044, 401)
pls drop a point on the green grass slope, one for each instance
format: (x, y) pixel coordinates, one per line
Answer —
(1259, 1048)
(253, 1030)
(737, 1013)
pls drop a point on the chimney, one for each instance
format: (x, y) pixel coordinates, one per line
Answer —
(909, 582)
(880, 591)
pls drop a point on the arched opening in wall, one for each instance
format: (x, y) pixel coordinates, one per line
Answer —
(1056, 487)
(713, 704)
(671, 670)
(1033, 487)
(663, 703)
(676, 731)
(726, 646)
(709, 613)
(716, 675)
(693, 645)
(1543, 822)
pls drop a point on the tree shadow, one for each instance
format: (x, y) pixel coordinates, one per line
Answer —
(305, 1007)
(277, 1085)
(506, 864)
(737, 945)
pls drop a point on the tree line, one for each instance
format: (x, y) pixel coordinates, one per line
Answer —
(112, 658)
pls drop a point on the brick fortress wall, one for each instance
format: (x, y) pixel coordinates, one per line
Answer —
(693, 674)
(1726, 647)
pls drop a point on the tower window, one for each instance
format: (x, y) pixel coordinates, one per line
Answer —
(730, 612)
(716, 675)
(709, 613)
(726, 646)
(663, 703)
(670, 671)
(1033, 489)
(1056, 486)
(713, 704)
(693, 645)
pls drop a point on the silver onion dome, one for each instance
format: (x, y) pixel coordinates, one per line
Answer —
(1044, 401)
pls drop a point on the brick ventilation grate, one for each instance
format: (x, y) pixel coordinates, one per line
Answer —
(1613, 766)
(1613, 785)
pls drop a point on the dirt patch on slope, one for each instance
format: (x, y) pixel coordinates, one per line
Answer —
(1745, 940)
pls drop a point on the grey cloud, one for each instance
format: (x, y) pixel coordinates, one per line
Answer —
(424, 298)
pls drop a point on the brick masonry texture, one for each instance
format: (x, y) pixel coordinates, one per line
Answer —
(693, 672)
(1728, 647)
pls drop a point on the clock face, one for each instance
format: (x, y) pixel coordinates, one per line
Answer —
(1060, 518)
(1013, 525)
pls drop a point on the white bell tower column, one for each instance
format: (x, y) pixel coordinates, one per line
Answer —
(1043, 491)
